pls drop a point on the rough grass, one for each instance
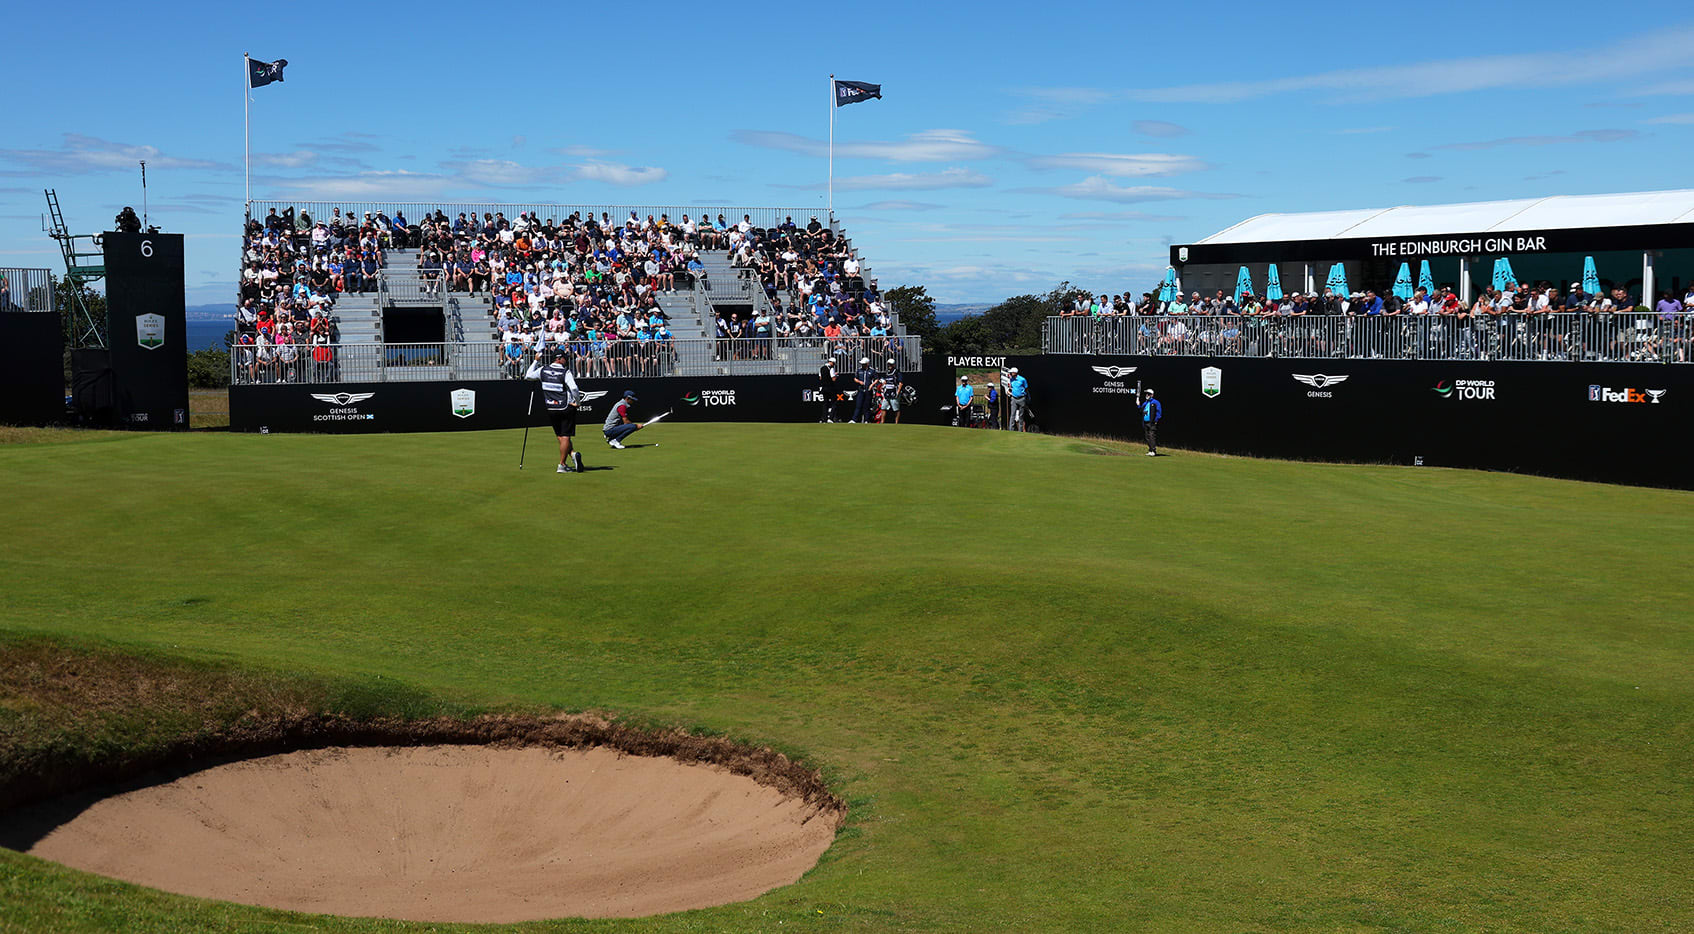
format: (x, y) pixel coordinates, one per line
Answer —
(1060, 691)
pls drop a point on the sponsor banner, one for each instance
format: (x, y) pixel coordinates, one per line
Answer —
(1320, 383)
(1522, 416)
(150, 331)
(1466, 390)
(1598, 393)
(1211, 382)
(1115, 383)
(417, 406)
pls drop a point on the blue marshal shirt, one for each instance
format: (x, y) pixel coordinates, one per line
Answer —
(1019, 387)
(964, 395)
(1152, 411)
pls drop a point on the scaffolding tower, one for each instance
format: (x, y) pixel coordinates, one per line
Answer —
(83, 266)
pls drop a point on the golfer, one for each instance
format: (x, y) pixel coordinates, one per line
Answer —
(962, 402)
(862, 398)
(892, 386)
(1019, 391)
(558, 388)
(619, 424)
(1151, 412)
(828, 387)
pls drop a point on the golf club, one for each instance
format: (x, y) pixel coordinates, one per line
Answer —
(528, 414)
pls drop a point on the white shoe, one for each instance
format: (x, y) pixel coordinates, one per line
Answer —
(562, 469)
(1152, 453)
(615, 443)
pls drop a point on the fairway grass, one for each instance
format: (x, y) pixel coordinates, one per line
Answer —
(1059, 691)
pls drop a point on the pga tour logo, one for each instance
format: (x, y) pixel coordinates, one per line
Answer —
(1466, 389)
(1608, 394)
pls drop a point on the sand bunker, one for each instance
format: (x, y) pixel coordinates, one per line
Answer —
(453, 833)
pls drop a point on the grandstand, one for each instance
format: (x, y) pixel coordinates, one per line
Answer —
(351, 292)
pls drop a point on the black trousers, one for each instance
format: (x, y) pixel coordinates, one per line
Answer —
(1150, 430)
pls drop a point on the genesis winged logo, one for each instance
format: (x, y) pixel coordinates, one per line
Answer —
(1114, 372)
(1319, 380)
(342, 398)
(591, 396)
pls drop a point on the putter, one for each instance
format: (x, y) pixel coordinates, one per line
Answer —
(528, 414)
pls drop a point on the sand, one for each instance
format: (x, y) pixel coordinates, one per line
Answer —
(453, 833)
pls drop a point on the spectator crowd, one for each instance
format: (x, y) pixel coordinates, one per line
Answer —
(1539, 321)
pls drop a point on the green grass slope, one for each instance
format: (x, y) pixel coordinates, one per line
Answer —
(1062, 690)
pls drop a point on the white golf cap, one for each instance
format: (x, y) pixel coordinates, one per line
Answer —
(1012, 370)
(864, 359)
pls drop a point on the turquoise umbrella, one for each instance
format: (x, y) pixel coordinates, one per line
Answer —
(1338, 280)
(1425, 279)
(1167, 291)
(1503, 275)
(1243, 283)
(1273, 285)
(1403, 283)
(1590, 276)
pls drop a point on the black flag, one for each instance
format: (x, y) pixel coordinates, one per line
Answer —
(260, 73)
(852, 92)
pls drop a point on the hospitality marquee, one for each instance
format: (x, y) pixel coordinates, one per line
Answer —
(1524, 242)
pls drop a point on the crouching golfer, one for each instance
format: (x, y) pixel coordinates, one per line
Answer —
(558, 387)
(1151, 412)
(619, 424)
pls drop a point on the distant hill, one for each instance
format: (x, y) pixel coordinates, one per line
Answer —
(946, 313)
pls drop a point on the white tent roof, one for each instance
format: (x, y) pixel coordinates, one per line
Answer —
(1553, 213)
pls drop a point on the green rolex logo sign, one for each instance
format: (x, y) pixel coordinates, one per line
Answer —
(150, 331)
(1211, 382)
(464, 402)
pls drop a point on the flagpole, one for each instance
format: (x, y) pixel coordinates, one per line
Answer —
(246, 144)
(831, 202)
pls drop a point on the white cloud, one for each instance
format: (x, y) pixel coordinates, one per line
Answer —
(1673, 118)
(1160, 128)
(1580, 136)
(1668, 88)
(1100, 188)
(906, 181)
(362, 185)
(900, 206)
(502, 172)
(1638, 55)
(1115, 216)
(285, 160)
(88, 155)
(1120, 165)
(928, 146)
(583, 152)
(614, 173)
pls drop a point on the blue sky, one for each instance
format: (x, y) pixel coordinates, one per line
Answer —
(1016, 145)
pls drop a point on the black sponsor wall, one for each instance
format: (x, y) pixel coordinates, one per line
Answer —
(32, 368)
(441, 406)
(147, 329)
(1586, 421)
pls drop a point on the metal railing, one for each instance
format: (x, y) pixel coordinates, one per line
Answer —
(618, 213)
(1623, 337)
(485, 360)
(26, 289)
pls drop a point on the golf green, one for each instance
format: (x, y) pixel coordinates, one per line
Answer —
(1060, 688)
